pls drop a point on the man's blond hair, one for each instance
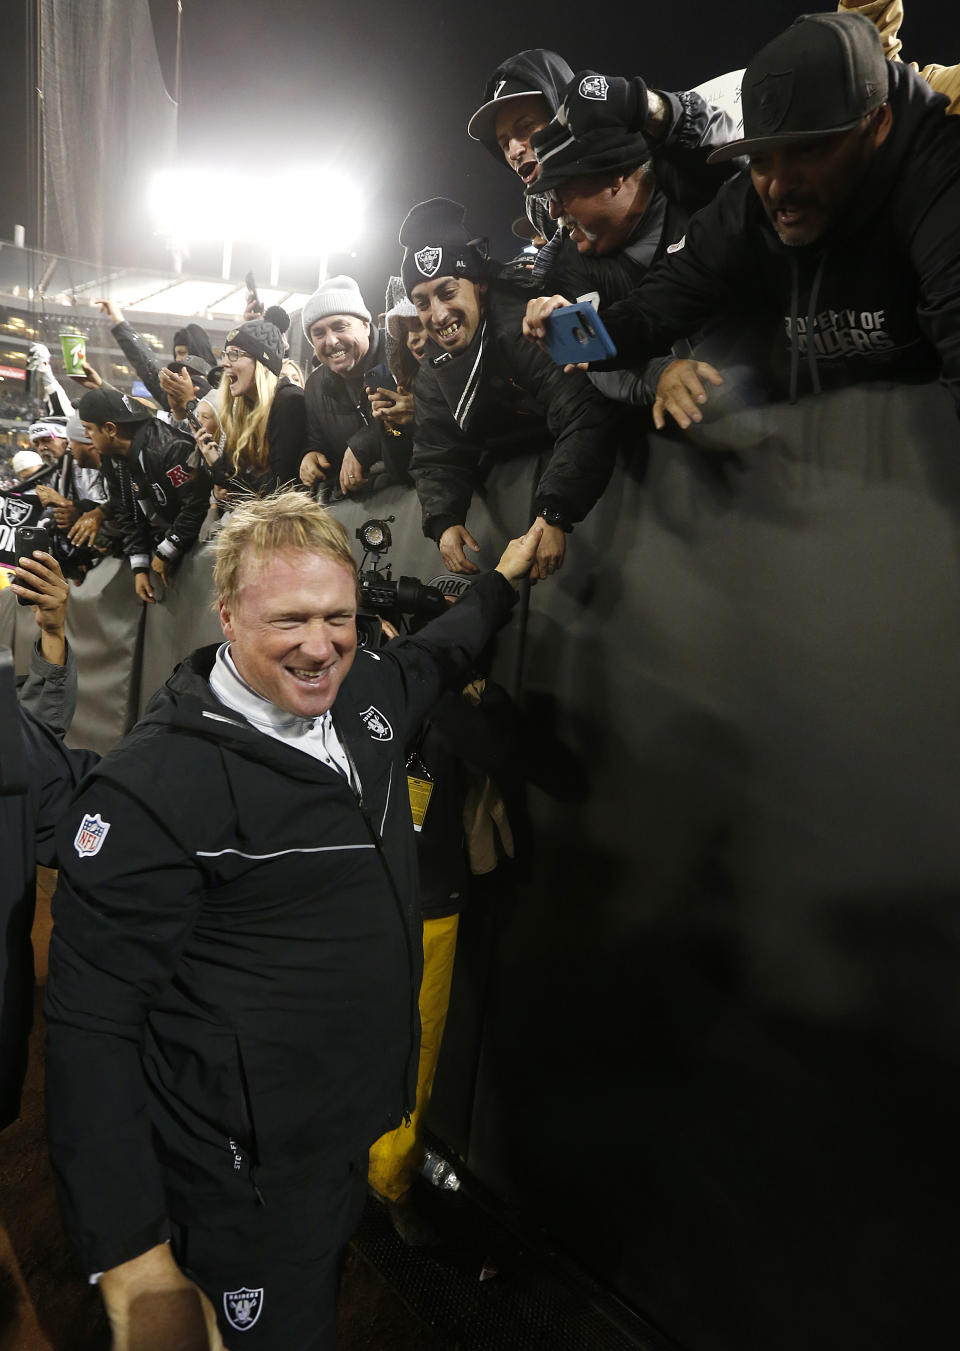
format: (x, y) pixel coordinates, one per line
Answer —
(264, 526)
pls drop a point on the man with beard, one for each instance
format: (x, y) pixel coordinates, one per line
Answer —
(602, 183)
(839, 257)
(524, 93)
(344, 439)
(77, 486)
(479, 397)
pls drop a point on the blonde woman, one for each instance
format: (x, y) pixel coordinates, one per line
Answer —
(263, 423)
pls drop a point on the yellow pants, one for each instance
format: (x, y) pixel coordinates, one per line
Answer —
(397, 1156)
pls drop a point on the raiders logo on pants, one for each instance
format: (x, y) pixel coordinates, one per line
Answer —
(273, 1277)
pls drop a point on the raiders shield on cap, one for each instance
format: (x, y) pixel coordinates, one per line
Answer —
(771, 98)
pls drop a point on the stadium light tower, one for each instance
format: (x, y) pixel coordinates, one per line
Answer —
(300, 211)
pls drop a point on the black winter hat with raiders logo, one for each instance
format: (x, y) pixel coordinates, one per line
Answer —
(823, 75)
(261, 340)
(436, 244)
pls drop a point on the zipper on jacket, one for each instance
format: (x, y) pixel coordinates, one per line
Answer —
(246, 1120)
(378, 845)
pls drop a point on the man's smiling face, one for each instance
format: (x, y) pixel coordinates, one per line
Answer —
(341, 341)
(450, 309)
(292, 628)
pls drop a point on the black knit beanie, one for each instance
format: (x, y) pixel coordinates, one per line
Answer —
(436, 244)
(276, 314)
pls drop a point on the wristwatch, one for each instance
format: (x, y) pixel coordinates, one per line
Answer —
(554, 517)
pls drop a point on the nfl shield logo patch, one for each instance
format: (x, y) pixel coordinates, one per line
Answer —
(427, 260)
(91, 835)
(243, 1307)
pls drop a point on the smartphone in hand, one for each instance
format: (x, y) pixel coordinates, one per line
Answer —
(576, 333)
(379, 377)
(28, 538)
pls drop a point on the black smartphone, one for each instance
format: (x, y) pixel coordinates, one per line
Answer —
(250, 283)
(28, 538)
(192, 415)
(379, 377)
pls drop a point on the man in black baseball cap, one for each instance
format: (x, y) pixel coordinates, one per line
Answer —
(621, 201)
(838, 259)
(815, 112)
(158, 485)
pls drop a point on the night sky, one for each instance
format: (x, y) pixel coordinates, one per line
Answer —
(386, 91)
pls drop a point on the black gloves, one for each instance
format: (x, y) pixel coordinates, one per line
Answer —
(593, 101)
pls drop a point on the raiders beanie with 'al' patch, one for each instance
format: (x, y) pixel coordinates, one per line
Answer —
(436, 244)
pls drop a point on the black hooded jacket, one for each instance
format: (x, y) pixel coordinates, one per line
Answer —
(536, 69)
(232, 999)
(501, 397)
(144, 360)
(876, 298)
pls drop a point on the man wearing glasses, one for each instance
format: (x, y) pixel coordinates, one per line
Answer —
(835, 260)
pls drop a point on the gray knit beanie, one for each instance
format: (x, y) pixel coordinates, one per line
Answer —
(75, 430)
(337, 295)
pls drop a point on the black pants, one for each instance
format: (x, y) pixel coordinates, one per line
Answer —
(273, 1279)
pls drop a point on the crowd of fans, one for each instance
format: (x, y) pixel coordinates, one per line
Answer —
(818, 249)
(714, 262)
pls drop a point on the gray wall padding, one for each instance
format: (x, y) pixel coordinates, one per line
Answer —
(105, 626)
(722, 1045)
